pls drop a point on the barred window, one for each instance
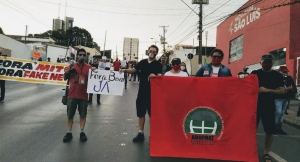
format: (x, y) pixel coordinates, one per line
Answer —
(236, 49)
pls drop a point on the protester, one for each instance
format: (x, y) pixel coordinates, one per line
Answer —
(94, 64)
(134, 75)
(175, 71)
(165, 67)
(243, 73)
(77, 97)
(183, 67)
(117, 65)
(58, 60)
(215, 68)
(2, 85)
(289, 81)
(124, 65)
(148, 68)
(270, 85)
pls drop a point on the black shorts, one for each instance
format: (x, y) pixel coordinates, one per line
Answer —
(266, 113)
(143, 105)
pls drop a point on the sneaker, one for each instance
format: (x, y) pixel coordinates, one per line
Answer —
(139, 137)
(98, 102)
(83, 137)
(1, 101)
(130, 80)
(286, 113)
(125, 87)
(134, 82)
(281, 132)
(68, 137)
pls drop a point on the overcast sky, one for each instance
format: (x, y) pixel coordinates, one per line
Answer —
(120, 18)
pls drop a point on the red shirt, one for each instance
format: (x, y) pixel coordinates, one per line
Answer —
(117, 65)
(78, 90)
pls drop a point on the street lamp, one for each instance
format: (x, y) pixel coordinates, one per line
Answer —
(155, 40)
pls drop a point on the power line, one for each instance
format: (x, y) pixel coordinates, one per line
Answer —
(217, 8)
(23, 13)
(122, 13)
(181, 23)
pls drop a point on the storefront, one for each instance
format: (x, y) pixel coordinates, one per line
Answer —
(261, 27)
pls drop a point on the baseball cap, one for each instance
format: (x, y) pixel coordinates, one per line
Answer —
(176, 60)
(267, 57)
(283, 69)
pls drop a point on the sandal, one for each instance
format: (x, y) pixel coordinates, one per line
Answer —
(267, 158)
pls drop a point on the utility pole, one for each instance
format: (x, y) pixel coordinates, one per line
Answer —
(206, 34)
(163, 39)
(200, 33)
(25, 34)
(104, 44)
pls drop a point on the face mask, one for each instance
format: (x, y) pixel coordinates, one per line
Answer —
(182, 68)
(152, 55)
(216, 61)
(176, 67)
(81, 59)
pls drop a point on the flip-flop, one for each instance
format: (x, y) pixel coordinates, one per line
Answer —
(267, 158)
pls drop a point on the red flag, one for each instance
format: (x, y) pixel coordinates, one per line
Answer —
(206, 118)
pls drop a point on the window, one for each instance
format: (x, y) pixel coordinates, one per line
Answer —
(279, 56)
(236, 49)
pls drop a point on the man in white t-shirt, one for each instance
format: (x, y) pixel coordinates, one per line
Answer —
(176, 71)
(215, 68)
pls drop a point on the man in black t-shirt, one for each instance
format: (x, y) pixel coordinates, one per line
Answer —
(270, 86)
(147, 68)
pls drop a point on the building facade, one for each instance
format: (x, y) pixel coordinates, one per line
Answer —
(261, 27)
(131, 48)
(58, 24)
(68, 23)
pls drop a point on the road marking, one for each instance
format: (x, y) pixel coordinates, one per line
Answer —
(276, 157)
(293, 136)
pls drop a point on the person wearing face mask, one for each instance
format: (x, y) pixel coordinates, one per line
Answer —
(77, 74)
(215, 68)
(147, 68)
(183, 67)
(270, 86)
(176, 71)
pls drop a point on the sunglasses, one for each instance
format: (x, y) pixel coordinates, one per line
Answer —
(217, 57)
(81, 54)
(175, 63)
(267, 62)
(150, 51)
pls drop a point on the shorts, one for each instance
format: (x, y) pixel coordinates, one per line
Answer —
(72, 106)
(143, 105)
(267, 116)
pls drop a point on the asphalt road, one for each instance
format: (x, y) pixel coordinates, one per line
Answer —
(33, 123)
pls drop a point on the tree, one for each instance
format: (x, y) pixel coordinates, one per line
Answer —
(1, 31)
(72, 37)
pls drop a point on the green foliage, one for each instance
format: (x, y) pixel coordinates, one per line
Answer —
(74, 36)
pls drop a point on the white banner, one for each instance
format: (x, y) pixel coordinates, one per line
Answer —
(106, 82)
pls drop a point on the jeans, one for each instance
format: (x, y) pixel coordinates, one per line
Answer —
(125, 77)
(2, 86)
(281, 105)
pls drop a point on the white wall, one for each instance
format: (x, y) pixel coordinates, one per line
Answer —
(18, 49)
(182, 54)
(55, 52)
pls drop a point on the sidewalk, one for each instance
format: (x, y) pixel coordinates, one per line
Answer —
(292, 119)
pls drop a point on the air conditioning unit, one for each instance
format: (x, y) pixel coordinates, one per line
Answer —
(198, 1)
